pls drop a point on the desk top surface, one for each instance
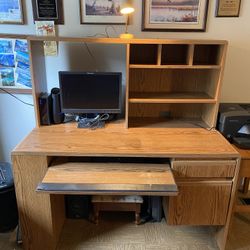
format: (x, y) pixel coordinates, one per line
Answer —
(116, 140)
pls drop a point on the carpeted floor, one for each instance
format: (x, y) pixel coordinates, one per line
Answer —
(118, 232)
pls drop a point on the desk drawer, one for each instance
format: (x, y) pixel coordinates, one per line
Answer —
(109, 178)
(203, 168)
(199, 203)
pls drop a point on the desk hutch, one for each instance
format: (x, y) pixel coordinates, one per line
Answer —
(172, 94)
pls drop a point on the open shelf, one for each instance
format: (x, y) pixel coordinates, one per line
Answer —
(171, 114)
(168, 97)
(152, 66)
(149, 122)
(207, 54)
(192, 82)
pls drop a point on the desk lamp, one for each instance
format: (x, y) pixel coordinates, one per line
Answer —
(126, 9)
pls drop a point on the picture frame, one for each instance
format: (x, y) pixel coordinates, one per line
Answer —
(226, 8)
(11, 12)
(101, 12)
(175, 15)
(48, 10)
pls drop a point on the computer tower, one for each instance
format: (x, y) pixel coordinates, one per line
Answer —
(77, 206)
(45, 109)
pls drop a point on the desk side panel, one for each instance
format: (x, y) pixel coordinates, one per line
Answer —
(36, 210)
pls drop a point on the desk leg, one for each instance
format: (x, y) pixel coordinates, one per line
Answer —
(41, 215)
(222, 233)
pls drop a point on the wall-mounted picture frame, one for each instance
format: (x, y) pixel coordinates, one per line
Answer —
(48, 10)
(101, 12)
(174, 15)
(228, 8)
(11, 12)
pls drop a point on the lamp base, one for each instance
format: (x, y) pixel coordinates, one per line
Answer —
(126, 36)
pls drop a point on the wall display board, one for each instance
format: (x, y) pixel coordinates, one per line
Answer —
(15, 65)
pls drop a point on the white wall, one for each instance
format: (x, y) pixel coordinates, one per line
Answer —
(236, 87)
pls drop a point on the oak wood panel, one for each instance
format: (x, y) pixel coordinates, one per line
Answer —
(15, 90)
(159, 122)
(110, 173)
(169, 80)
(200, 204)
(40, 226)
(222, 232)
(152, 66)
(168, 97)
(204, 168)
(166, 110)
(115, 140)
(190, 56)
(126, 41)
(38, 73)
(127, 86)
(107, 178)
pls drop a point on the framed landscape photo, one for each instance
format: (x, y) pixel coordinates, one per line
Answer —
(101, 12)
(11, 12)
(228, 8)
(174, 15)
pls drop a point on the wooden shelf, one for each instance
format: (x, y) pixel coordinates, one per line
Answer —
(151, 122)
(153, 66)
(161, 97)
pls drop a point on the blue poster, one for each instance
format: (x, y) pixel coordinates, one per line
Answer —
(6, 46)
(7, 77)
(21, 45)
(22, 57)
(7, 60)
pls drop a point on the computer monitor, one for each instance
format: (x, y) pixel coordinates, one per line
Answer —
(90, 92)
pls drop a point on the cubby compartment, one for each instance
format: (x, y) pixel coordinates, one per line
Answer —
(208, 54)
(174, 54)
(170, 115)
(185, 85)
(143, 54)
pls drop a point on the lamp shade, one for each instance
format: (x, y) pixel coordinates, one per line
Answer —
(127, 7)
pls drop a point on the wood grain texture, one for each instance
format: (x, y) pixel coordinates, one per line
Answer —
(110, 173)
(126, 41)
(106, 178)
(40, 226)
(16, 90)
(115, 140)
(38, 74)
(204, 168)
(199, 204)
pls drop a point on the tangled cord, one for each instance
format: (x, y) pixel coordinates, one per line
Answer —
(93, 123)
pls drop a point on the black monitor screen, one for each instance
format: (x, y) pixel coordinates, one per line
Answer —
(90, 92)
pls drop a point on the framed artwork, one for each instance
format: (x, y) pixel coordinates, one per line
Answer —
(228, 8)
(101, 12)
(174, 15)
(48, 10)
(11, 12)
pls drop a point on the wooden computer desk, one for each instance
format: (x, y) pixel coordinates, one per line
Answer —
(204, 164)
(244, 173)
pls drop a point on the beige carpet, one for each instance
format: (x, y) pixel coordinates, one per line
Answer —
(117, 232)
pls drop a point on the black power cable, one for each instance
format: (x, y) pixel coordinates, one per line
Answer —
(26, 103)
